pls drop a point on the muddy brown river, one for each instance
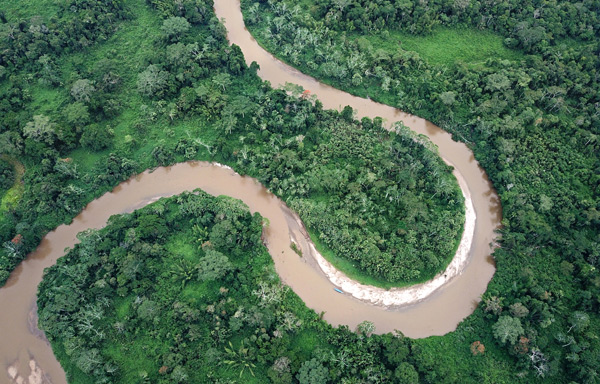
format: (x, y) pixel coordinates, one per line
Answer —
(28, 357)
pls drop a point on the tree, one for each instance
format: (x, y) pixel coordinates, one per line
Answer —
(95, 137)
(405, 373)
(518, 310)
(280, 372)
(77, 114)
(494, 305)
(365, 328)
(507, 329)
(147, 309)
(40, 129)
(312, 372)
(579, 321)
(82, 90)
(222, 80)
(153, 82)
(341, 4)
(7, 176)
(228, 121)
(174, 27)
(448, 98)
(240, 359)
(179, 375)
(11, 143)
(214, 265)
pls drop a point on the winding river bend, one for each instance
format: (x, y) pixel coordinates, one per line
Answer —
(26, 353)
(443, 310)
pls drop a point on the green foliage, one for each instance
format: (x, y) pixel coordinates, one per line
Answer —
(445, 45)
(175, 27)
(530, 122)
(213, 266)
(96, 137)
(77, 114)
(406, 373)
(239, 359)
(40, 129)
(507, 329)
(312, 372)
(153, 82)
(7, 176)
(111, 311)
(82, 90)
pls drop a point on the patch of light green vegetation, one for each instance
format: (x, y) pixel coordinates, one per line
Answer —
(25, 9)
(448, 45)
(11, 197)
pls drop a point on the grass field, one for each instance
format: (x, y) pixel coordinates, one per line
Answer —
(447, 45)
(13, 195)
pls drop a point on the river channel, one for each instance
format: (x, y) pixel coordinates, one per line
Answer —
(26, 353)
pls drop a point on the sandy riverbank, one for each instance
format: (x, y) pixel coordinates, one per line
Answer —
(35, 375)
(395, 297)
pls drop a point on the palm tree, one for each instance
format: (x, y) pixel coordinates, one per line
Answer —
(239, 359)
(183, 271)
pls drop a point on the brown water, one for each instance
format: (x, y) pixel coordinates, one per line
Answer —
(437, 315)
(441, 312)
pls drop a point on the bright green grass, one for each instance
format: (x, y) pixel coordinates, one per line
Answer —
(448, 45)
(12, 196)
(180, 245)
(122, 307)
(306, 342)
(46, 100)
(25, 9)
(132, 356)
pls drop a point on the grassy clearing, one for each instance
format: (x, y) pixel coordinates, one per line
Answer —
(447, 45)
(13, 195)
(181, 246)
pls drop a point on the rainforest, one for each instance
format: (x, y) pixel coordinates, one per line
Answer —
(191, 289)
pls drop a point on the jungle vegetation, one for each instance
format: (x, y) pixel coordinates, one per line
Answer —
(94, 92)
(184, 291)
(530, 111)
(84, 114)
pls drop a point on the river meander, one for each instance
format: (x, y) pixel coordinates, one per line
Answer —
(438, 314)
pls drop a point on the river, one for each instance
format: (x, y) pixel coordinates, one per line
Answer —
(29, 356)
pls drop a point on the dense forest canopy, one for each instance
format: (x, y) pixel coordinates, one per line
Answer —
(136, 303)
(7, 176)
(529, 24)
(98, 91)
(532, 120)
(84, 121)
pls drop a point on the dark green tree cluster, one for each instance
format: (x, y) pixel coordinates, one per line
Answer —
(7, 176)
(132, 304)
(533, 124)
(35, 43)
